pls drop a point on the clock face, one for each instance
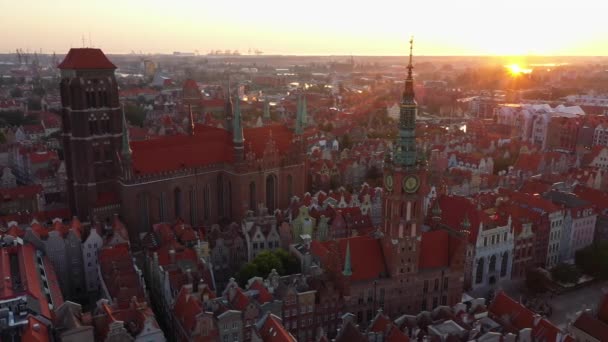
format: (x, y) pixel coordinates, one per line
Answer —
(411, 184)
(388, 182)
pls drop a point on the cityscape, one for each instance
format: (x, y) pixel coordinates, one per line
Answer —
(317, 189)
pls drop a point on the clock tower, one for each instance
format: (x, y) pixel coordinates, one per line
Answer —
(404, 175)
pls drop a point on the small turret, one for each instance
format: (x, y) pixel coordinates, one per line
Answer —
(266, 110)
(347, 263)
(465, 226)
(237, 132)
(436, 212)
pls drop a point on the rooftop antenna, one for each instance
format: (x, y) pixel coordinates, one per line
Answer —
(83, 44)
(90, 40)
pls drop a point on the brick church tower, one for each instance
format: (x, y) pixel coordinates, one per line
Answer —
(405, 184)
(92, 129)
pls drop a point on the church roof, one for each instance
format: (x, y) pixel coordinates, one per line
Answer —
(209, 145)
(434, 249)
(86, 58)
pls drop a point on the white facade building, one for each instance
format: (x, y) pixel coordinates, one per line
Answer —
(493, 255)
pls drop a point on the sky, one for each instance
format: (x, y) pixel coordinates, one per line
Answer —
(310, 27)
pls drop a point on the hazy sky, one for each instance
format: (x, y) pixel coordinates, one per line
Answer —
(379, 27)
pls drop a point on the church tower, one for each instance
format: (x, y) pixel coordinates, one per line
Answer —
(92, 127)
(404, 187)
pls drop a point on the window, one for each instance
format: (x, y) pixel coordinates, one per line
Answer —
(425, 288)
(444, 300)
(485, 241)
(252, 196)
(177, 202)
(445, 283)
(435, 302)
(479, 272)
(493, 263)
(436, 286)
(206, 198)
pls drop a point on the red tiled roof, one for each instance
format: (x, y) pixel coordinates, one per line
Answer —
(264, 295)
(107, 198)
(592, 326)
(26, 191)
(208, 145)
(257, 138)
(190, 84)
(42, 157)
(86, 58)
(367, 260)
(519, 316)
(274, 331)
(240, 300)
(434, 249)
(33, 129)
(35, 330)
(602, 311)
(455, 208)
(186, 308)
(528, 162)
(380, 323)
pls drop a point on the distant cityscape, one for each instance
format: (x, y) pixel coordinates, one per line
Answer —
(228, 196)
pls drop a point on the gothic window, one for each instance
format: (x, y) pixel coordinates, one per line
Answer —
(270, 192)
(177, 202)
(192, 196)
(93, 128)
(143, 202)
(206, 198)
(252, 198)
(220, 195)
(229, 198)
(504, 264)
(161, 207)
(493, 263)
(104, 124)
(479, 272)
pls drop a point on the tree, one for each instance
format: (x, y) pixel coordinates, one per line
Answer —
(345, 142)
(593, 260)
(566, 273)
(16, 92)
(135, 114)
(535, 281)
(279, 260)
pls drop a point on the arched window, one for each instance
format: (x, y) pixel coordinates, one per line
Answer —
(206, 199)
(229, 201)
(177, 202)
(503, 264)
(161, 207)
(143, 203)
(193, 214)
(252, 199)
(270, 193)
(492, 263)
(479, 271)
(289, 187)
(220, 195)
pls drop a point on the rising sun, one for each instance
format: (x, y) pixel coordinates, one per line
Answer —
(516, 70)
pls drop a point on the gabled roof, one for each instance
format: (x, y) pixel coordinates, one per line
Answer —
(86, 58)
(273, 330)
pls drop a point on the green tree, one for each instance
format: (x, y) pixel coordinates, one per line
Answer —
(280, 260)
(536, 281)
(593, 260)
(566, 273)
(345, 142)
(135, 114)
(16, 92)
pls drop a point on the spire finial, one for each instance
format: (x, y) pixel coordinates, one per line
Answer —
(410, 66)
(191, 119)
(348, 271)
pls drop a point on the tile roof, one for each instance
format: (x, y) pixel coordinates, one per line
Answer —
(182, 151)
(35, 330)
(86, 58)
(592, 326)
(367, 260)
(273, 330)
(434, 249)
